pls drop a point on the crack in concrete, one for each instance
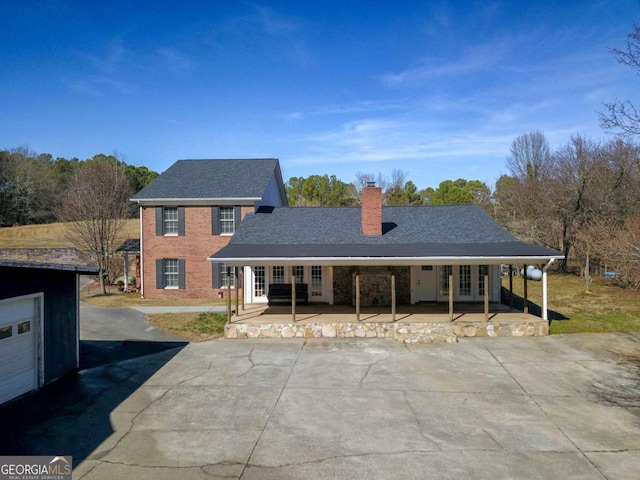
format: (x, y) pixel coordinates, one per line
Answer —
(275, 404)
(423, 434)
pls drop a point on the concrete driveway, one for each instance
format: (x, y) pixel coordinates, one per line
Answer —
(533, 408)
(109, 335)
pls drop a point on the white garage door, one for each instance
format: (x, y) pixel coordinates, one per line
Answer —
(19, 328)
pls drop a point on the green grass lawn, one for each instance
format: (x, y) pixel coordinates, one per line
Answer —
(607, 308)
(196, 327)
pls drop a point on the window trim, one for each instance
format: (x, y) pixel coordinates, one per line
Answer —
(160, 222)
(216, 222)
(161, 277)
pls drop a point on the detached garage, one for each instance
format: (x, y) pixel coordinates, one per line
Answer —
(39, 324)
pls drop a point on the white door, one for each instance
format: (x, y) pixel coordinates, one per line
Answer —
(19, 327)
(427, 284)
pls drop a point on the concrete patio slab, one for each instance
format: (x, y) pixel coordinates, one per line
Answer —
(565, 406)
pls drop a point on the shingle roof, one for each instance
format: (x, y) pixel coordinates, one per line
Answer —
(425, 231)
(204, 179)
(130, 245)
(81, 269)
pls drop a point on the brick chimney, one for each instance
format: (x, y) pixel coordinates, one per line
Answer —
(372, 209)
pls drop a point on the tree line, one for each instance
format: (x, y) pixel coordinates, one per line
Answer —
(33, 185)
(329, 191)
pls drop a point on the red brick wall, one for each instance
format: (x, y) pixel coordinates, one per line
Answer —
(372, 211)
(195, 247)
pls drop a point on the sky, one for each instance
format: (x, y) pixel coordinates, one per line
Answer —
(437, 89)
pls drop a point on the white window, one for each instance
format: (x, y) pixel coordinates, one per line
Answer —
(171, 273)
(259, 283)
(464, 280)
(223, 276)
(445, 272)
(483, 270)
(316, 281)
(170, 219)
(227, 226)
(298, 272)
(277, 275)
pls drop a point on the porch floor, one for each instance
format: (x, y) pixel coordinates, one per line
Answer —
(424, 322)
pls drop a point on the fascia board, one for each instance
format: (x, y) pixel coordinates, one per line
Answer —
(149, 202)
(378, 261)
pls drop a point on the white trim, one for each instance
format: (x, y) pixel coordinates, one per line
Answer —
(141, 255)
(157, 202)
(545, 313)
(400, 261)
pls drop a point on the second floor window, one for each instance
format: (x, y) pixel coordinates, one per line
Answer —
(170, 220)
(226, 220)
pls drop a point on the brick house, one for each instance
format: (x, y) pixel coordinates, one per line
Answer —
(193, 209)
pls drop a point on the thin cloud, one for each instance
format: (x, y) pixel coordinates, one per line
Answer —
(262, 30)
(98, 86)
(175, 61)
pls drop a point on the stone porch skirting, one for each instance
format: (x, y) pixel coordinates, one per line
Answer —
(431, 332)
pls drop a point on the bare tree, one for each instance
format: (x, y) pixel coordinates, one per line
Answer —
(622, 115)
(530, 155)
(95, 208)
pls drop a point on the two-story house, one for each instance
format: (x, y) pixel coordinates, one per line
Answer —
(193, 209)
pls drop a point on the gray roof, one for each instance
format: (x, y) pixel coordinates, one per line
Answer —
(130, 245)
(213, 179)
(418, 231)
(81, 269)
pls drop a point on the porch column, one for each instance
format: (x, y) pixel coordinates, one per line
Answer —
(293, 296)
(451, 298)
(486, 298)
(126, 272)
(545, 306)
(228, 294)
(510, 286)
(241, 271)
(357, 298)
(393, 298)
(235, 276)
(526, 292)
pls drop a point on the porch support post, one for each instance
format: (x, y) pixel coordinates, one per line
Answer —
(451, 298)
(510, 286)
(228, 294)
(486, 298)
(241, 270)
(526, 292)
(235, 276)
(393, 298)
(293, 296)
(357, 298)
(126, 272)
(545, 313)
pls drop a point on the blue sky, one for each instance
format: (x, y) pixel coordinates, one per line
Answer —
(436, 89)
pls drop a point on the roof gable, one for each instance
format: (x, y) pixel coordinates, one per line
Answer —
(214, 179)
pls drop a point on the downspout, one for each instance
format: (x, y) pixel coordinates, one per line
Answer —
(141, 255)
(545, 315)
